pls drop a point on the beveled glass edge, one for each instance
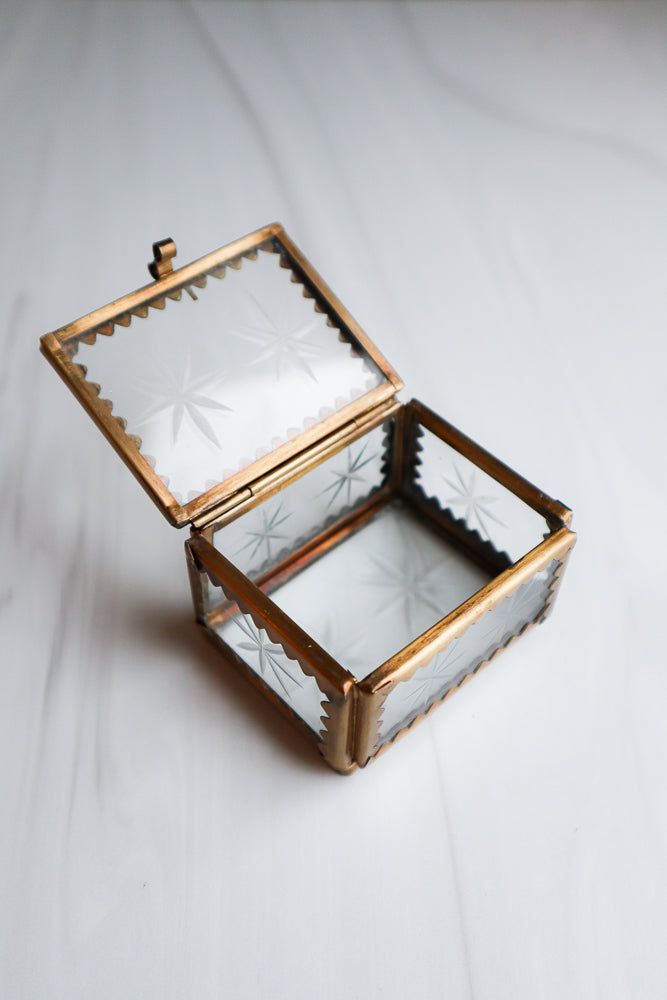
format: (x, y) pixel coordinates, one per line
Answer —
(102, 321)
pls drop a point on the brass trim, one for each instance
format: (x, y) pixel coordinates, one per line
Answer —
(336, 682)
(284, 475)
(222, 571)
(381, 747)
(374, 689)
(367, 696)
(402, 665)
(553, 510)
(110, 426)
(164, 252)
(170, 284)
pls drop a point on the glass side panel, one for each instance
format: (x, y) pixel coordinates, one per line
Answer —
(477, 644)
(212, 382)
(282, 674)
(379, 589)
(472, 497)
(258, 540)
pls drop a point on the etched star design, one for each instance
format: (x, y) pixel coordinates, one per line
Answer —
(514, 612)
(445, 670)
(409, 584)
(283, 347)
(270, 656)
(267, 534)
(178, 393)
(476, 507)
(345, 480)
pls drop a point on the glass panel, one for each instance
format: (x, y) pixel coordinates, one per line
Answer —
(282, 674)
(471, 496)
(213, 382)
(268, 533)
(463, 656)
(379, 588)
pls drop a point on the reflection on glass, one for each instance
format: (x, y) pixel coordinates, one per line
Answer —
(212, 383)
(477, 644)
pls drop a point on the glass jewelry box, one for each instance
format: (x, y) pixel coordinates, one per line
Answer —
(357, 558)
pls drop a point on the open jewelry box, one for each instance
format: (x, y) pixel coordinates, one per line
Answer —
(355, 557)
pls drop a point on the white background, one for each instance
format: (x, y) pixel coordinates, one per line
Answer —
(485, 188)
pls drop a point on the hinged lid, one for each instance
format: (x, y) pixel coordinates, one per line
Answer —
(207, 391)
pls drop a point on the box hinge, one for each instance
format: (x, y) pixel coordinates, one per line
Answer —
(224, 507)
(268, 484)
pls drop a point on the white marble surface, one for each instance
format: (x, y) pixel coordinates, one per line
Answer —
(486, 188)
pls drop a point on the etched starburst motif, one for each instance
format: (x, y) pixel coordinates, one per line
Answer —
(514, 612)
(281, 346)
(179, 393)
(409, 584)
(345, 479)
(266, 535)
(444, 671)
(270, 656)
(476, 506)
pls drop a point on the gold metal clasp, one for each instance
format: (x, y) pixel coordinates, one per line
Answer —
(164, 252)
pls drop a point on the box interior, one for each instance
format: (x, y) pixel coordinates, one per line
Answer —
(365, 560)
(378, 589)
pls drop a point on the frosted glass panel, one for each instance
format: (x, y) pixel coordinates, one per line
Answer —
(213, 382)
(477, 644)
(269, 532)
(379, 589)
(474, 498)
(282, 674)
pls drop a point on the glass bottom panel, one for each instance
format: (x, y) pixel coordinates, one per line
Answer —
(378, 589)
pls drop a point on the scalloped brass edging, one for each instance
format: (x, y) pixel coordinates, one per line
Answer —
(480, 665)
(282, 438)
(375, 688)
(333, 680)
(57, 348)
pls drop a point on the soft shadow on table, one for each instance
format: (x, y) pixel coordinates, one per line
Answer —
(173, 628)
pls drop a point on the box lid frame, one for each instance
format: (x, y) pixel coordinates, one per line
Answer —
(171, 284)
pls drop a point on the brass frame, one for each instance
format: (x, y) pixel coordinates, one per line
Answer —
(351, 720)
(170, 284)
(375, 688)
(360, 703)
